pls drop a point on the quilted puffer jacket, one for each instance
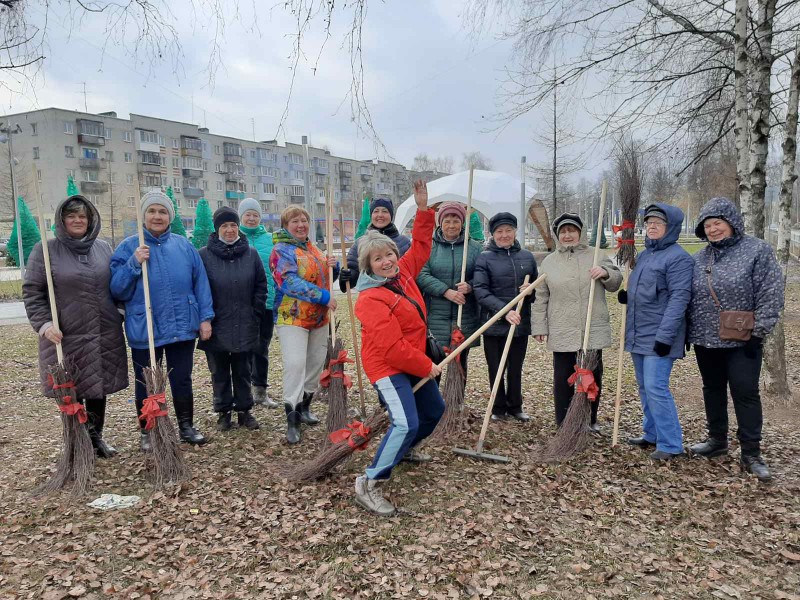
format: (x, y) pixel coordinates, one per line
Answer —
(562, 300)
(88, 317)
(745, 276)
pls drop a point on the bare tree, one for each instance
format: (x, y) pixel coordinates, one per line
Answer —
(475, 160)
(439, 164)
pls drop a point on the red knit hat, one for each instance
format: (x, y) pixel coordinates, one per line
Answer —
(451, 208)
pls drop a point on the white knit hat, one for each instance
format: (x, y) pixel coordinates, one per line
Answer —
(249, 204)
(159, 198)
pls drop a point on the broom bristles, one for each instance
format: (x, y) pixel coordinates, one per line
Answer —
(452, 421)
(573, 434)
(334, 454)
(337, 394)
(166, 458)
(75, 464)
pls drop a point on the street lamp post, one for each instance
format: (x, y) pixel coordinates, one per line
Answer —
(8, 132)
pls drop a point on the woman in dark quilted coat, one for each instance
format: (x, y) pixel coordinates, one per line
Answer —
(239, 289)
(90, 324)
(744, 275)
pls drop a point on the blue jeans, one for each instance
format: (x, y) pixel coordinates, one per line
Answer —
(660, 424)
(413, 418)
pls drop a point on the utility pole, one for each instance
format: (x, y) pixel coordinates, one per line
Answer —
(309, 201)
(9, 132)
(111, 206)
(521, 229)
(555, 147)
(85, 103)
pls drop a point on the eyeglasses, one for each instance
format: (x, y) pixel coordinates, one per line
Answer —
(654, 224)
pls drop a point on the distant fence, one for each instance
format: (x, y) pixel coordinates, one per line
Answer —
(794, 244)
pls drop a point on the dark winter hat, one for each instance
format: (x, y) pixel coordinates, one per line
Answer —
(384, 203)
(503, 218)
(451, 208)
(567, 219)
(225, 215)
(654, 211)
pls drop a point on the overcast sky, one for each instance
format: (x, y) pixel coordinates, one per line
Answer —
(430, 86)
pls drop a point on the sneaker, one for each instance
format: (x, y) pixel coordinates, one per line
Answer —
(660, 455)
(710, 448)
(756, 466)
(595, 428)
(224, 421)
(640, 442)
(415, 456)
(263, 397)
(369, 496)
(246, 419)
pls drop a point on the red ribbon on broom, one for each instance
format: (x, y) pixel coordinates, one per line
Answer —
(583, 380)
(456, 339)
(621, 229)
(67, 405)
(328, 374)
(152, 410)
(352, 429)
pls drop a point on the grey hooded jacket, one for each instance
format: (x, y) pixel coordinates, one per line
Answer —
(745, 276)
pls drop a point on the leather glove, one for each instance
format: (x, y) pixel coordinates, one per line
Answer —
(346, 275)
(752, 346)
(662, 349)
(687, 346)
(622, 296)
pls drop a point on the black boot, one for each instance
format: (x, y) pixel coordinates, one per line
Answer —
(184, 411)
(224, 421)
(96, 411)
(306, 416)
(144, 441)
(755, 464)
(292, 424)
(246, 419)
(710, 448)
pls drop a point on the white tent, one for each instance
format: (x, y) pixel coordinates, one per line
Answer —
(492, 193)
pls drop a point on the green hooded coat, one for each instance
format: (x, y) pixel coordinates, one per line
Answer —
(262, 242)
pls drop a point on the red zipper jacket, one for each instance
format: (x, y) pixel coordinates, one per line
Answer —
(392, 333)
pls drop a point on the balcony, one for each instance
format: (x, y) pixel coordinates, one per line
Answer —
(345, 168)
(94, 187)
(265, 161)
(232, 195)
(192, 192)
(191, 146)
(235, 177)
(91, 164)
(268, 196)
(192, 173)
(383, 188)
(297, 199)
(321, 169)
(232, 153)
(148, 168)
(91, 140)
(266, 179)
(365, 176)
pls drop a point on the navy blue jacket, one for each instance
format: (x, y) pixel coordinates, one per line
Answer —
(659, 290)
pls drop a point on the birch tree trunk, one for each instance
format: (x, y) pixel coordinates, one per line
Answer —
(776, 381)
(760, 117)
(740, 129)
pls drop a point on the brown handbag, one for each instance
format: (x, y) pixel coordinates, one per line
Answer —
(734, 325)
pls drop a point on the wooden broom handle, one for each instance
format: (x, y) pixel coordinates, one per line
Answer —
(329, 252)
(465, 251)
(353, 330)
(595, 260)
(51, 292)
(499, 378)
(499, 315)
(148, 307)
(620, 359)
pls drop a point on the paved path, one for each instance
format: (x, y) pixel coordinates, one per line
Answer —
(12, 313)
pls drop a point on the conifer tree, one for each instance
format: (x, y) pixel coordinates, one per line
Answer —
(203, 224)
(177, 225)
(30, 233)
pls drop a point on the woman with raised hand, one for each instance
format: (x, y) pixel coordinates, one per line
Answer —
(393, 340)
(302, 302)
(440, 278)
(382, 221)
(90, 326)
(181, 302)
(499, 276)
(258, 238)
(562, 302)
(239, 288)
(734, 272)
(658, 294)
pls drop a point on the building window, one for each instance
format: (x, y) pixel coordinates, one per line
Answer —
(219, 186)
(128, 157)
(34, 129)
(36, 153)
(108, 133)
(253, 171)
(205, 147)
(263, 207)
(178, 202)
(69, 128)
(296, 190)
(252, 153)
(69, 151)
(112, 177)
(252, 188)
(220, 204)
(109, 156)
(176, 143)
(175, 163)
(71, 173)
(163, 161)
(216, 151)
(192, 162)
(148, 137)
(269, 188)
(205, 165)
(131, 202)
(90, 176)
(89, 153)
(192, 203)
(162, 141)
(175, 183)
(129, 179)
(127, 136)
(39, 175)
(205, 185)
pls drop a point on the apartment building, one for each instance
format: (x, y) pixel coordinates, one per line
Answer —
(113, 159)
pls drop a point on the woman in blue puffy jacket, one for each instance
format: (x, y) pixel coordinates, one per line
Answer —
(182, 307)
(659, 290)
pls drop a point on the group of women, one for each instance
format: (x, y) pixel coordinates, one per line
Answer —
(233, 292)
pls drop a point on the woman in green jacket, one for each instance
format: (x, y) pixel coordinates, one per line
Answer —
(440, 278)
(257, 236)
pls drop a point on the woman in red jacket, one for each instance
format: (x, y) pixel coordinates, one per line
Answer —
(393, 333)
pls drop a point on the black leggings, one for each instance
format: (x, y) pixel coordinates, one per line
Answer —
(563, 368)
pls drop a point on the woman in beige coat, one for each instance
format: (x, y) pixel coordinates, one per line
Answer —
(562, 301)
